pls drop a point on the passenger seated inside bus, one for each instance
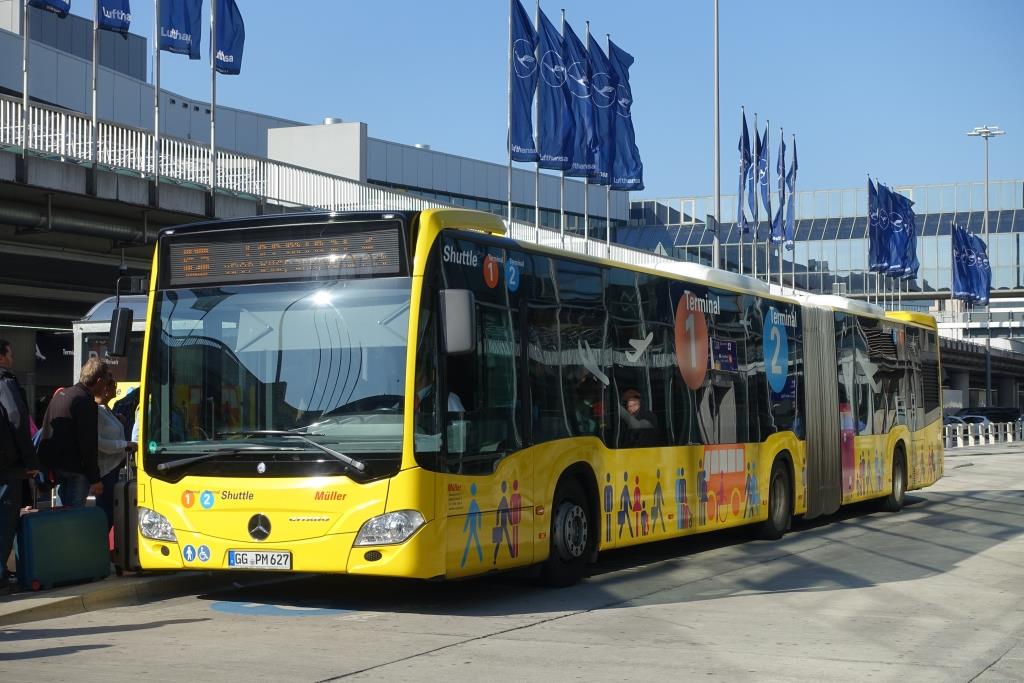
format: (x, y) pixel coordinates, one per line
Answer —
(640, 426)
(425, 395)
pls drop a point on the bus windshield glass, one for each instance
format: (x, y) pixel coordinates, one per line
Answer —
(229, 365)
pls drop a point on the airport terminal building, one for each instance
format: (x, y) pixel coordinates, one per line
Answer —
(83, 241)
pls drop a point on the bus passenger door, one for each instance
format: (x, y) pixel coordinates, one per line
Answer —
(489, 484)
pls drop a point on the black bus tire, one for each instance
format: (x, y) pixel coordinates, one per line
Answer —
(572, 536)
(779, 503)
(897, 496)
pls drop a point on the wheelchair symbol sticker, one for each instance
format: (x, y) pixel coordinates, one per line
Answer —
(203, 553)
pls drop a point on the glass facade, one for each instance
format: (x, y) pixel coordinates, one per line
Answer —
(831, 242)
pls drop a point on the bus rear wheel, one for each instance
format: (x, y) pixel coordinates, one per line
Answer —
(571, 536)
(894, 501)
(779, 496)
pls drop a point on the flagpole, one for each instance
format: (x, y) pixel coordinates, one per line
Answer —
(213, 103)
(768, 210)
(608, 217)
(561, 188)
(608, 187)
(715, 244)
(782, 210)
(536, 132)
(94, 146)
(156, 93)
(586, 179)
(508, 127)
(757, 188)
(24, 86)
(739, 207)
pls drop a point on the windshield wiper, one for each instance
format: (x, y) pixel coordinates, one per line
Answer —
(171, 464)
(357, 465)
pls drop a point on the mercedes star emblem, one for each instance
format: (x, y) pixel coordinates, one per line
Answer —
(259, 527)
(261, 468)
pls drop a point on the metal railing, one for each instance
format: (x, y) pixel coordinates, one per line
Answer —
(850, 202)
(67, 136)
(959, 436)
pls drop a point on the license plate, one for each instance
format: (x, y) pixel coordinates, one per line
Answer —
(259, 559)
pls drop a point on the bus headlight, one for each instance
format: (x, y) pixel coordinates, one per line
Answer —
(154, 525)
(390, 528)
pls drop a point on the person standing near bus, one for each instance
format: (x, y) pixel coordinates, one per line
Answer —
(17, 457)
(70, 435)
(112, 448)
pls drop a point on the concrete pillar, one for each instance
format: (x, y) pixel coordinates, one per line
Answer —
(961, 381)
(1007, 391)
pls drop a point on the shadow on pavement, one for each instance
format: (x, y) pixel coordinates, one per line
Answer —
(864, 548)
(10, 634)
(49, 652)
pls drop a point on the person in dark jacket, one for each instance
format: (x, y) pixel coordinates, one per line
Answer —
(17, 457)
(641, 426)
(68, 444)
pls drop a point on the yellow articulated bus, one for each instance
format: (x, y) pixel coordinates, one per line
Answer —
(414, 394)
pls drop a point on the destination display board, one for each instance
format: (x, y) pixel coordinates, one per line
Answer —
(302, 253)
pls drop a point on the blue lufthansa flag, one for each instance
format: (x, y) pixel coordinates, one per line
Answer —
(58, 7)
(790, 207)
(911, 264)
(627, 169)
(883, 233)
(981, 271)
(744, 147)
(181, 26)
(780, 171)
(873, 217)
(577, 67)
(897, 233)
(752, 179)
(523, 79)
(114, 15)
(602, 94)
(764, 173)
(554, 126)
(961, 286)
(230, 38)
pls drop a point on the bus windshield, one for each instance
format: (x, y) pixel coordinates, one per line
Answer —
(322, 359)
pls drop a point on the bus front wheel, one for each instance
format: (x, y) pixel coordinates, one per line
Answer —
(571, 536)
(779, 506)
(894, 501)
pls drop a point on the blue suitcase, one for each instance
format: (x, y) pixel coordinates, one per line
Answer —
(64, 545)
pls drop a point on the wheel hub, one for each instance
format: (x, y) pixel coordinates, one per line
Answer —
(574, 531)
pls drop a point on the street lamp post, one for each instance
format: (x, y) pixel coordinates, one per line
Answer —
(986, 132)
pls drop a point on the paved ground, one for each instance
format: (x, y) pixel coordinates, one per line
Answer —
(932, 593)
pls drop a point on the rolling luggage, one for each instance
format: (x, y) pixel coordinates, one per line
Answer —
(64, 545)
(126, 523)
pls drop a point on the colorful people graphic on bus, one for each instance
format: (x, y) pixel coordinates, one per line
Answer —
(502, 518)
(702, 494)
(515, 515)
(683, 520)
(657, 504)
(637, 507)
(625, 506)
(609, 506)
(750, 508)
(471, 527)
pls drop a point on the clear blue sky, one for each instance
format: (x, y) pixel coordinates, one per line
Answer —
(886, 87)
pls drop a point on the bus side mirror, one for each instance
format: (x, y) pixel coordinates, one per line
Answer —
(457, 321)
(120, 329)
